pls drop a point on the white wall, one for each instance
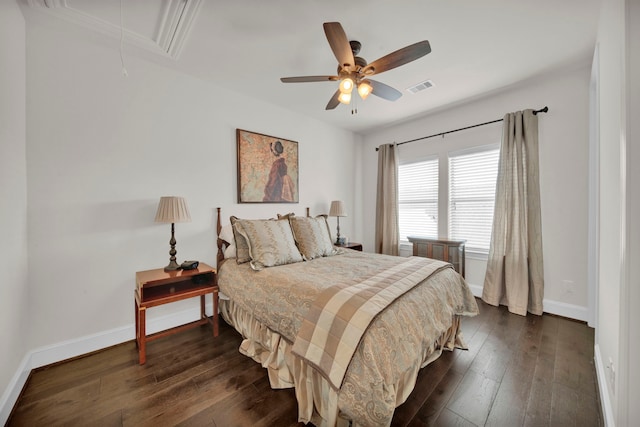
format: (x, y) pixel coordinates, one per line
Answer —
(14, 305)
(101, 151)
(633, 210)
(611, 49)
(617, 334)
(563, 161)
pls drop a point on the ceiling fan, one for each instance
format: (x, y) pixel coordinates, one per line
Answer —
(354, 71)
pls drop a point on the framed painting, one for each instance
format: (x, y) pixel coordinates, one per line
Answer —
(267, 168)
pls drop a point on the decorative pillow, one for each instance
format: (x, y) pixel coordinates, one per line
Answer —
(312, 236)
(242, 247)
(270, 242)
(226, 234)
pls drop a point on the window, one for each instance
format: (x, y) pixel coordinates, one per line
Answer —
(418, 199)
(459, 205)
(472, 187)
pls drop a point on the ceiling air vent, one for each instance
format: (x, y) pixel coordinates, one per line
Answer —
(420, 86)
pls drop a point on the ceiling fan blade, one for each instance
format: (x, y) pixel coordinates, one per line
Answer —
(398, 58)
(339, 43)
(333, 102)
(306, 79)
(384, 91)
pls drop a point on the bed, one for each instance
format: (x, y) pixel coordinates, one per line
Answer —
(348, 330)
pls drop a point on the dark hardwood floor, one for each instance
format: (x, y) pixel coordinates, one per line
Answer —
(518, 371)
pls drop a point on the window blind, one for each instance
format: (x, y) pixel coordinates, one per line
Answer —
(472, 186)
(418, 199)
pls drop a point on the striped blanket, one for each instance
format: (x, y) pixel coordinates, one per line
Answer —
(339, 317)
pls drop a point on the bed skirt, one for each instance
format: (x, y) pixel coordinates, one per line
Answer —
(318, 402)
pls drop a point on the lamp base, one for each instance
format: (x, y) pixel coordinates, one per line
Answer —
(173, 266)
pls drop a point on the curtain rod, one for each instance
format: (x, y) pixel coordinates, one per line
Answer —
(535, 112)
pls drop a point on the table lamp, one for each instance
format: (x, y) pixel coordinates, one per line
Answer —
(172, 209)
(337, 210)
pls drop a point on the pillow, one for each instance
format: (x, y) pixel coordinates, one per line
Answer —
(226, 234)
(312, 236)
(270, 242)
(242, 247)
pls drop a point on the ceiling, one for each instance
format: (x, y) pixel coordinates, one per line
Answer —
(478, 47)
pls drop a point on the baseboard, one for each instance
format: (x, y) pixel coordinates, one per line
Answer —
(476, 290)
(563, 309)
(76, 347)
(605, 399)
(558, 308)
(12, 392)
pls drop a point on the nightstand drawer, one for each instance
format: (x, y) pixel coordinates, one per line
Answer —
(176, 286)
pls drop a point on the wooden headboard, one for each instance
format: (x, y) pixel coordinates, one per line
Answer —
(222, 244)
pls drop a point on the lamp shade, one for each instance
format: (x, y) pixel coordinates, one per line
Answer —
(346, 85)
(344, 97)
(172, 209)
(337, 209)
(364, 89)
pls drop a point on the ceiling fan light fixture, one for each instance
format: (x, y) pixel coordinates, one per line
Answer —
(353, 70)
(364, 89)
(344, 97)
(346, 85)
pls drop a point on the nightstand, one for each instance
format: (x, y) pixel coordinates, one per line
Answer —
(352, 245)
(158, 287)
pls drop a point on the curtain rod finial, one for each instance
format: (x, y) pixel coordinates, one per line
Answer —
(542, 110)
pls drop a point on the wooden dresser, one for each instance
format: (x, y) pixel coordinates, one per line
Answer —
(445, 250)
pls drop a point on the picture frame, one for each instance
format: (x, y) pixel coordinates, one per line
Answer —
(267, 168)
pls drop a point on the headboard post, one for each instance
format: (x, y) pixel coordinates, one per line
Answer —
(219, 242)
(308, 212)
(218, 224)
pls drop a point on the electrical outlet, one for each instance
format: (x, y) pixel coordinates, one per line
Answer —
(612, 375)
(613, 379)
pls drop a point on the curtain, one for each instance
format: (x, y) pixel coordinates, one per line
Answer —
(514, 269)
(387, 234)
